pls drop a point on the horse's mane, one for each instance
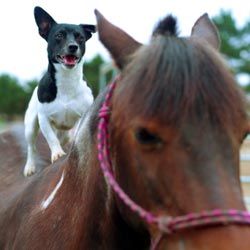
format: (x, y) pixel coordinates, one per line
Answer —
(179, 78)
(167, 26)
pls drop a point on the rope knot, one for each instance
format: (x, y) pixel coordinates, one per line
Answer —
(164, 224)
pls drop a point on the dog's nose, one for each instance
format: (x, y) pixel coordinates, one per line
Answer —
(73, 48)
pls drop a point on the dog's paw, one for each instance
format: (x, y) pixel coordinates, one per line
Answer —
(55, 156)
(29, 170)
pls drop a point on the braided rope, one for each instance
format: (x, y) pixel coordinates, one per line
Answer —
(166, 224)
(104, 160)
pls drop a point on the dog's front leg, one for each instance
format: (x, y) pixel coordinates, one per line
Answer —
(50, 136)
(31, 129)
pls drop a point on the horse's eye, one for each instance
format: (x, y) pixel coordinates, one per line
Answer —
(145, 137)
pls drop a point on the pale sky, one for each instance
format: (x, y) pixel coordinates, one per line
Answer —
(23, 51)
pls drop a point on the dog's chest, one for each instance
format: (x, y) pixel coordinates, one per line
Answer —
(71, 102)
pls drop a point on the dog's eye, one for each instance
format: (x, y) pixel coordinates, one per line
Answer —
(59, 36)
(79, 37)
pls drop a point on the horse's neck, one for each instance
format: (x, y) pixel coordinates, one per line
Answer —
(102, 226)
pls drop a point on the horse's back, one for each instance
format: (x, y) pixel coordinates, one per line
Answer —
(12, 159)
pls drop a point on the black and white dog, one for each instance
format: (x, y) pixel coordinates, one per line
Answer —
(62, 96)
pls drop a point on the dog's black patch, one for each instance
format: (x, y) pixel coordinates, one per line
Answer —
(167, 26)
(47, 88)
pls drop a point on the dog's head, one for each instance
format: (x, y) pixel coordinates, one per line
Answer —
(66, 42)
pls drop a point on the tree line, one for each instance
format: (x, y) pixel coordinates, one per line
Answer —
(235, 46)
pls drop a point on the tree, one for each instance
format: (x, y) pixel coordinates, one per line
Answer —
(29, 87)
(13, 97)
(91, 71)
(235, 45)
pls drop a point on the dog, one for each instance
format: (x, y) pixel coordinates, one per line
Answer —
(62, 95)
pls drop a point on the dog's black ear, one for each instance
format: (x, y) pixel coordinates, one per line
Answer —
(88, 30)
(44, 22)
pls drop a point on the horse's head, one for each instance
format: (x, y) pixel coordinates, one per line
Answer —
(177, 123)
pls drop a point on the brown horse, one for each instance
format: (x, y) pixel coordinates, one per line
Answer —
(176, 125)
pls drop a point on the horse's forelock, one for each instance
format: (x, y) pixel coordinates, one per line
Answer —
(167, 26)
(176, 78)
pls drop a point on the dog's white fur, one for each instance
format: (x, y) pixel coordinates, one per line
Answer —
(72, 101)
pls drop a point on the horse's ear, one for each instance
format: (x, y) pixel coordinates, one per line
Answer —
(118, 43)
(205, 29)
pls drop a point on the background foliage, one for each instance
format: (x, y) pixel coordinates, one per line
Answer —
(235, 45)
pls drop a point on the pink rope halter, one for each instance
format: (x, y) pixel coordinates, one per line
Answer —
(166, 224)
